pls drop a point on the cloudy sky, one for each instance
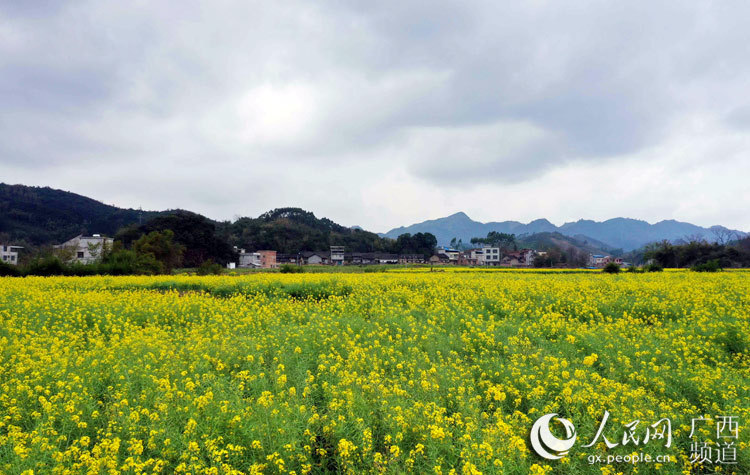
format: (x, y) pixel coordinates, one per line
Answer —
(384, 113)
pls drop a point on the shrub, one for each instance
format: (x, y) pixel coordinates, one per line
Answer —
(710, 266)
(291, 269)
(209, 267)
(370, 269)
(653, 267)
(124, 262)
(611, 268)
(79, 269)
(46, 266)
(8, 270)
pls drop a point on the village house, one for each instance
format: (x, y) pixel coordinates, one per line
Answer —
(411, 259)
(9, 254)
(337, 255)
(511, 259)
(363, 258)
(387, 258)
(450, 252)
(478, 254)
(523, 258)
(282, 258)
(315, 257)
(86, 249)
(248, 259)
(268, 259)
(468, 258)
(440, 259)
(527, 257)
(259, 259)
(599, 260)
(491, 256)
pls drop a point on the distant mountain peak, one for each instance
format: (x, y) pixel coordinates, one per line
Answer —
(540, 221)
(620, 232)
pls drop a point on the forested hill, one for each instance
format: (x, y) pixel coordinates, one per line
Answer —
(36, 216)
(290, 230)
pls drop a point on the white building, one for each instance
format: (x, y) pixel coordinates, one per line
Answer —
(337, 255)
(599, 260)
(527, 257)
(452, 254)
(87, 249)
(387, 258)
(248, 259)
(478, 254)
(492, 256)
(9, 254)
(259, 259)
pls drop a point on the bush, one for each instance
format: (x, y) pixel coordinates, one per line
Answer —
(636, 270)
(653, 267)
(7, 270)
(209, 267)
(710, 266)
(611, 268)
(376, 268)
(123, 262)
(46, 266)
(291, 269)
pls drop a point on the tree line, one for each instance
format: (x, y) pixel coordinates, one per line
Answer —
(185, 239)
(698, 252)
(151, 254)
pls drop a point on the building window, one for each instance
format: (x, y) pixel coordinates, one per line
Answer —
(80, 254)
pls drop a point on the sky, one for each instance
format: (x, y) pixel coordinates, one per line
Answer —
(382, 114)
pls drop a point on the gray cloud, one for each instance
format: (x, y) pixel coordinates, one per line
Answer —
(450, 93)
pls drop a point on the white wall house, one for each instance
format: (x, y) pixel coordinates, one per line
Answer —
(492, 256)
(87, 249)
(527, 257)
(249, 259)
(450, 252)
(9, 254)
(598, 260)
(337, 255)
(478, 254)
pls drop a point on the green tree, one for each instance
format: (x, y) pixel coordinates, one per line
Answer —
(161, 245)
(495, 239)
(197, 234)
(420, 243)
(611, 268)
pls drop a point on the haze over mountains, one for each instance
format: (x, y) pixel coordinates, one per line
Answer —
(624, 233)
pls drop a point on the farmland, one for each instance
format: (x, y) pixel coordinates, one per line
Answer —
(406, 371)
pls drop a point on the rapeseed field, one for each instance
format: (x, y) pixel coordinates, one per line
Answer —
(396, 372)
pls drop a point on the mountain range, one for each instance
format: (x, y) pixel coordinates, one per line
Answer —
(623, 233)
(42, 215)
(35, 217)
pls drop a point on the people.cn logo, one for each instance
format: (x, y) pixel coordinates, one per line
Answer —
(547, 445)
